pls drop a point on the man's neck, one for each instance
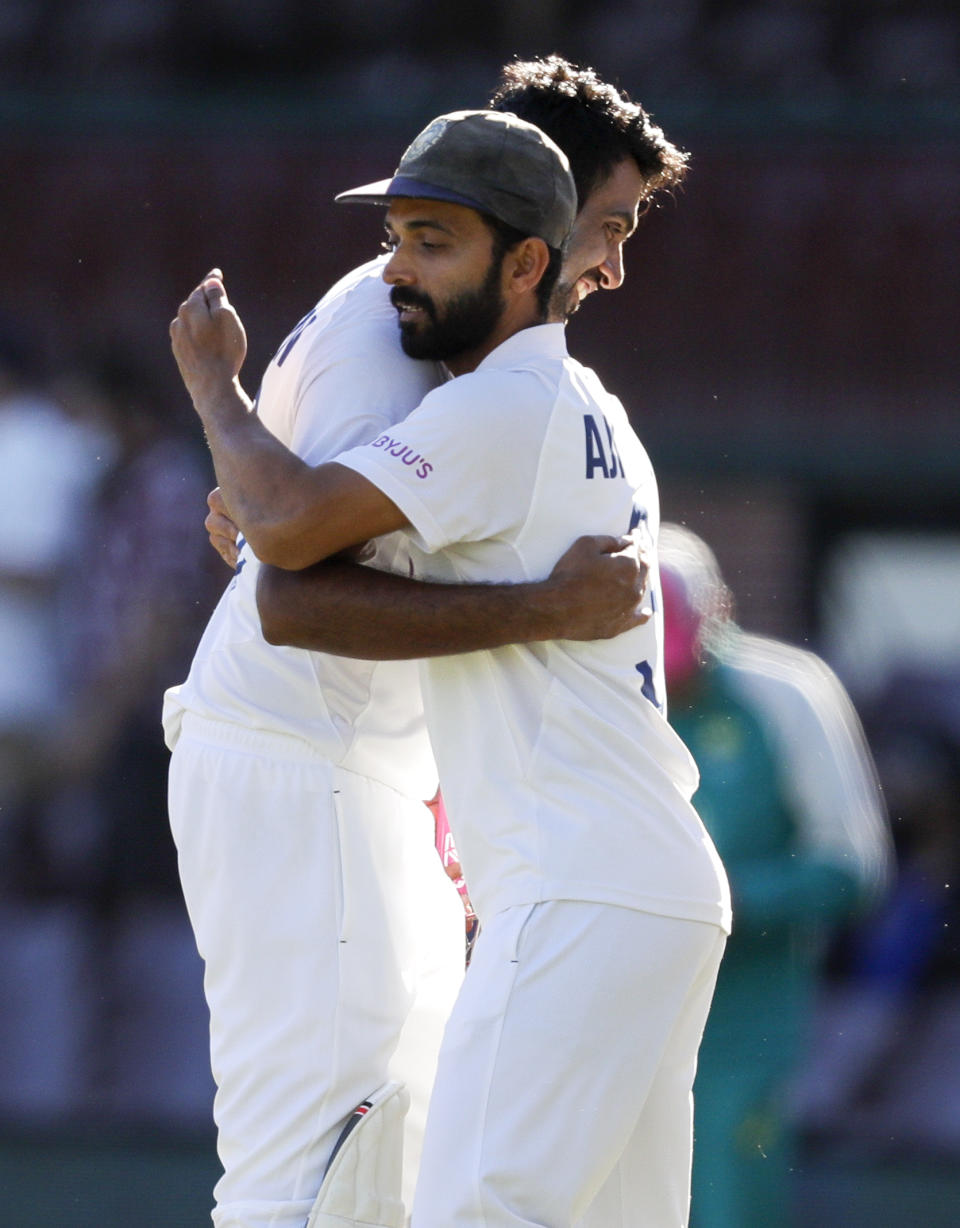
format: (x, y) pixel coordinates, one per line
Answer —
(505, 328)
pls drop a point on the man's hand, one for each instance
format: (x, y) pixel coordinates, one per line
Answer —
(600, 584)
(220, 528)
(208, 339)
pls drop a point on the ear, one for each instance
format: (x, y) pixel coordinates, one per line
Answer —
(525, 265)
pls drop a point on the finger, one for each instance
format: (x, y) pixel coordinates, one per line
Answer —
(214, 294)
(623, 544)
(604, 543)
(192, 307)
(216, 501)
(196, 298)
(218, 525)
(225, 548)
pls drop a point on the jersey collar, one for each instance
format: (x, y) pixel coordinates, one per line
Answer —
(538, 341)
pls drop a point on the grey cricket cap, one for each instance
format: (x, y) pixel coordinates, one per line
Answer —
(490, 161)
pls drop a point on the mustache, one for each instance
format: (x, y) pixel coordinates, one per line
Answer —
(403, 296)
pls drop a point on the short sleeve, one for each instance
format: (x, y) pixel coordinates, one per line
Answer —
(463, 465)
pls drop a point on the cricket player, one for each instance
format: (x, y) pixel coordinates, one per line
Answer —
(788, 792)
(256, 730)
(333, 941)
(563, 1089)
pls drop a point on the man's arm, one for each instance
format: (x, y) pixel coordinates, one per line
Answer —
(595, 591)
(291, 514)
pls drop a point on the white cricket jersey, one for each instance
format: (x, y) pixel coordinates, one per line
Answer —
(561, 775)
(339, 379)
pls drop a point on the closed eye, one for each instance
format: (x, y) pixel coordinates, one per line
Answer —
(391, 243)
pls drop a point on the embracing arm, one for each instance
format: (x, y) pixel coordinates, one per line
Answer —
(595, 591)
(291, 514)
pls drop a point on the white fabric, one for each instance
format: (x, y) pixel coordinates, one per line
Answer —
(320, 908)
(561, 779)
(43, 449)
(828, 767)
(49, 466)
(303, 1021)
(340, 378)
(361, 1187)
(563, 1093)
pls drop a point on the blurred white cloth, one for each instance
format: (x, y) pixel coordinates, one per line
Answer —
(828, 768)
(49, 464)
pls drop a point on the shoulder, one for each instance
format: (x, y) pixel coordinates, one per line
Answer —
(360, 299)
(353, 324)
(491, 405)
(524, 373)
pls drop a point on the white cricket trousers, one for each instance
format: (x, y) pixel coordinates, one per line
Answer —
(326, 923)
(563, 1092)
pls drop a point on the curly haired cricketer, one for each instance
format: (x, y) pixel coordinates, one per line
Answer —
(320, 1049)
(563, 1086)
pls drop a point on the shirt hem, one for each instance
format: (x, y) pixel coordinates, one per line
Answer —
(716, 913)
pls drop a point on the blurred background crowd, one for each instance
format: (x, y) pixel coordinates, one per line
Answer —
(787, 346)
(714, 48)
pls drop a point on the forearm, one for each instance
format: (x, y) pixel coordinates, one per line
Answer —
(270, 492)
(354, 611)
(291, 514)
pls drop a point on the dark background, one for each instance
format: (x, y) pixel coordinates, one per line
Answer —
(786, 343)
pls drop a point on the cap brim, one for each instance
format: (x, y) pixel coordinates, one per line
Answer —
(386, 190)
(369, 194)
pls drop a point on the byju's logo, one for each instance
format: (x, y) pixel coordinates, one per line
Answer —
(397, 448)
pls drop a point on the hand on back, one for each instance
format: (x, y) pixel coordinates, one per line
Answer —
(601, 586)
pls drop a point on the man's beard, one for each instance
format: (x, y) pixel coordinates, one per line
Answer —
(465, 323)
(565, 301)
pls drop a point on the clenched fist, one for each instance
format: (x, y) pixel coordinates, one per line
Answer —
(209, 341)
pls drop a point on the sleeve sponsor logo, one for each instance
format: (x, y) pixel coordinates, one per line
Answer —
(397, 448)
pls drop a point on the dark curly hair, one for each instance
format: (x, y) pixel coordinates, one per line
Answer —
(594, 123)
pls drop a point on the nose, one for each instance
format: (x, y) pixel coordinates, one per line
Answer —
(396, 272)
(611, 271)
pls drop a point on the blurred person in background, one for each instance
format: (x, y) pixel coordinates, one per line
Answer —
(119, 583)
(136, 592)
(44, 450)
(888, 1027)
(51, 457)
(788, 793)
